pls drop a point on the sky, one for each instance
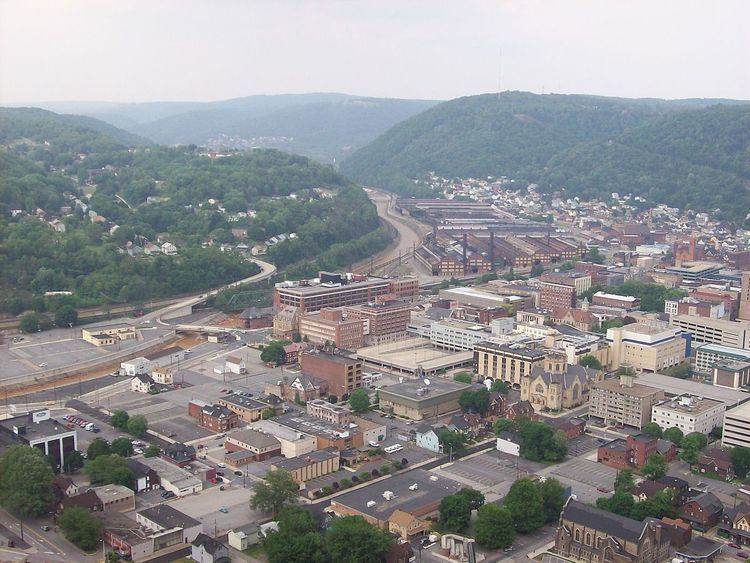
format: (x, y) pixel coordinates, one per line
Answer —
(156, 50)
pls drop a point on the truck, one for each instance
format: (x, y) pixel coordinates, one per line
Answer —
(91, 427)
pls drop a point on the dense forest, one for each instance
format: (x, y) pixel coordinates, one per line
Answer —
(75, 203)
(680, 152)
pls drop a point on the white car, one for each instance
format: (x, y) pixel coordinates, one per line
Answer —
(222, 465)
(393, 449)
(374, 444)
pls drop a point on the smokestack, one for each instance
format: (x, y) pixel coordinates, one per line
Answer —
(465, 259)
(492, 250)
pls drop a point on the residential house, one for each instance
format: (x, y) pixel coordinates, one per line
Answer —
(577, 318)
(64, 486)
(217, 418)
(570, 427)
(680, 532)
(427, 438)
(178, 454)
(718, 462)
(141, 383)
(243, 539)
(88, 500)
(205, 549)
(292, 351)
(301, 388)
(406, 525)
(703, 511)
(467, 423)
(145, 478)
(162, 376)
(735, 522)
(646, 489)
(169, 249)
(521, 409)
(235, 364)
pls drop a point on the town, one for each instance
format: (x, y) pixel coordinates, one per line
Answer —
(501, 391)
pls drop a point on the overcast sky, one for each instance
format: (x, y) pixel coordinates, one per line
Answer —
(130, 50)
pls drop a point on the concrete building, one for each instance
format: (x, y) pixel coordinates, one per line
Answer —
(312, 465)
(706, 355)
(696, 308)
(477, 297)
(326, 435)
(694, 271)
(261, 446)
(732, 374)
(247, 408)
(332, 325)
(586, 533)
(371, 430)
(39, 430)
(744, 311)
(452, 334)
(115, 497)
(417, 401)
(174, 478)
(331, 290)
(109, 335)
(384, 320)
(293, 442)
(737, 426)
(622, 401)
(557, 385)
(328, 411)
(343, 374)
(689, 413)
(646, 348)
(136, 366)
(735, 334)
(508, 362)
(626, 302)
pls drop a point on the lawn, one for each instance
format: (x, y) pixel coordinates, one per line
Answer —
(256, 552)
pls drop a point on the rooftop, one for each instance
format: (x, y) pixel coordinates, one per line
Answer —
(298, 462)
(243, 401)
(314, 426)
(280, 431)
(168, 517)
(180, 478)
(673, 386)
(110, 493)
(518, 349)
(735, 353)
(338, 358)
(689, 404)
(417, 389)
(254, 438)
(35, 430)
(636, 390)
(612, 524)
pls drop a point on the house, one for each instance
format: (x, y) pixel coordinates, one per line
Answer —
(735, 522)
(242, 539)
(179, 454)
(168, 249)
(647, 489)
(703, 511)
(141, 383)
(64, 486)
(235, 364)
(571, 427)
(135, 366)
(521, 409)
(498, 405)
(586, 533)
(427, 438)
(214, 417)
(716, 461)
(88, 500)
(577, 318)
(291, 352)
(680, 532)
(406, 525)
(205, 549)
(680, 487)
(162, 376)
(466, 423)
(634, 451)
(145, 478)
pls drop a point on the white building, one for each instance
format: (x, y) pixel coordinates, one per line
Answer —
(136, 366)
(689, 413)
(737, 426)
(706, 355)
(453, 334)
(141, 383)
(235, 364)
(428, 439)
(169, 249)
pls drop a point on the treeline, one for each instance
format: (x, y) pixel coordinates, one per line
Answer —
(652, 295)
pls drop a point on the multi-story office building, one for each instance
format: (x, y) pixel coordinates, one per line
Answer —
(706, 355)
(715, 331)
(737, 426)
(343, 374)
(561, 290)
(328, 411)
(333, 290)
(646, 348)
(696, 307)
(744, 312)
(453, 334)
(331, 325)
(384, 320)
(622, 401)
(509, 362)
(731, 373)
(689, 413)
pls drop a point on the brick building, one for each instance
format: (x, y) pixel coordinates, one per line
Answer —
(217, 418)
(332, 325)
(334, 290)
(384, 320)
(261, 446)
(561, 289)
(634, 451)
(343, 374)
(328, 411)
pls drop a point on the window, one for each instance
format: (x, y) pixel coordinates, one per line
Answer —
(588, 538)
(578, 535)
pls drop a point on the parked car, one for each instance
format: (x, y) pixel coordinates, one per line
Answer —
(224, 509)
(238, 473)
(734, 545)
(45, 528)
(222, 465)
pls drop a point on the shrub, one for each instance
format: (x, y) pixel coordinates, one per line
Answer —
(327, 490)
(346, 483)
(355, 479)
(335, 485)
(385, 469)
(375, 473)
(404, 461)
(365, 476)
(396, 464)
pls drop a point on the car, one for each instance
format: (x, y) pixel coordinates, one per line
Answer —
(602, 489)
(425, 541)
(742, 555)
(734, 545)
(45, 528)
(171, 435)
(239, 473)
(222, 465)
(168, 494)
(220, 474)
(224, 509)
(509, 548)
(42, 365)
(222, 488)
(374, 444)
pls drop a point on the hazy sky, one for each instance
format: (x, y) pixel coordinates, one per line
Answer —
(131, 50)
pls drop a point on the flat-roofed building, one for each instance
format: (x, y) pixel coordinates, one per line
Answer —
(332, 325)
(247, 408)
(735, 334)
(693, 271)
(696, 307)
(329, 412)
(332, 290)
(384, 320)
(293, 442)
(262, 446)
(478, 298)
(174, 478)
(737, 426)
(453, 334)
(706, 355)
(509, 362)
(417, 400)
(115, 497)
(627, 302)
(109, 335)
(689, 413)
(311, 465)
(39, 430)
(622, 401)
(646, 348)
(342, 373)
(730, 373)
(327, 435)
(561, 289)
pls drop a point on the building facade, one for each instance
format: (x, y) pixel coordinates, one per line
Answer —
(557, 385)
(333, 290)
(735, 334)
(706, 355)
(342, 374)
(332, 325)
(508, 362)
(646, 348)
(328, 411)
(417, 401)
(622, 401)
(689, 413)
(737, 426)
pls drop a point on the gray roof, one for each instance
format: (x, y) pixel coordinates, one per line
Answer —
(567, 377)
(612, 524)
(209, 544)
(255, 438)
(709, 502)
(168, 517)
(298, 462)
(700, 546)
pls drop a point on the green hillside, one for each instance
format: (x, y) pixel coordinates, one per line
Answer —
(587, 145)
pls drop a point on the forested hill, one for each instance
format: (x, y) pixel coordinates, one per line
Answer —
(62, 135)
(324, 126)
(678, 152)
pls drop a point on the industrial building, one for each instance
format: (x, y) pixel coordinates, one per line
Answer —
(419, 399)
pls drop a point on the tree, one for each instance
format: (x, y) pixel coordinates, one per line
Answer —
(661, 504)
(655, 468)
(475, 498)
(451, 441)
(268, 413)
(81, 527)
(352, 539)
(689, 455)
(455, 513)
(740, 457)
(504, 425)
(152, 451)
(674, 435)
(66, 316)
(359, 401)
(463, 377)
(589, 361)
(122, 447)
(651, 429)
(537, 270)
(593, 255)
(552, 497)
(271, 494)
(494, 529)
(25, 481)
(137, 425)
(624, 481)
(499, 386)
(119, 419)
(34, 322)
(297, 539)
(620, 503)
(274, 351)
(695, 440)
(526, 505)
(96, 448)
(107, 469)
(475, 401)
(539, 442)
(73, 461)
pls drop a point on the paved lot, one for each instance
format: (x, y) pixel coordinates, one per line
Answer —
(491, 470)
(584, 476)
(582, 445)
(205, 507)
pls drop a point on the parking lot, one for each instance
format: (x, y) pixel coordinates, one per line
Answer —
(491, 470)
(589, 480)
(206, 508)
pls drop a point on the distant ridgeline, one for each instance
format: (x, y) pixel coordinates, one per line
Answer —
(686, 153)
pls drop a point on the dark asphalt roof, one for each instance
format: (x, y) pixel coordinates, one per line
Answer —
(607, 522)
